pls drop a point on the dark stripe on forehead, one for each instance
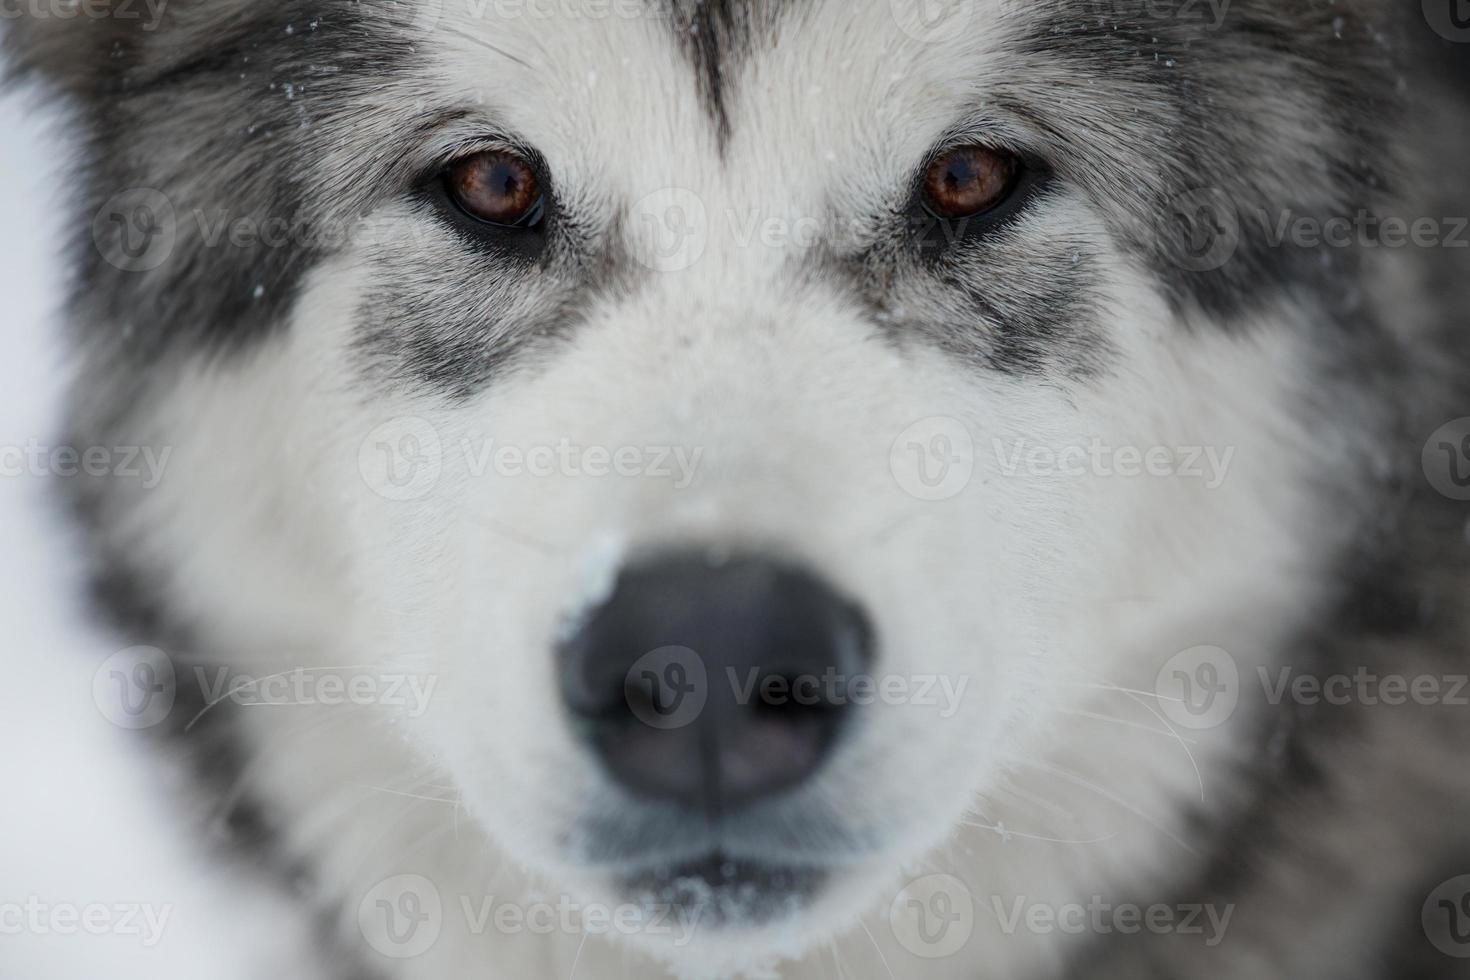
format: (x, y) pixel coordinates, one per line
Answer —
(716, 35)
(704, 31)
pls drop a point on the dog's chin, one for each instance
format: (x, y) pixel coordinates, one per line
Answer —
(726, 917)
(722, 893)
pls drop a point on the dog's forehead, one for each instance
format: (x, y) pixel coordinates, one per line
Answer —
(770, 91)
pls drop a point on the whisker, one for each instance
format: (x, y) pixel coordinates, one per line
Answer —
(879, 949)
(415, 796)
(1006, 834)
(1083, 783)
(481, 42)
(515, 535)
(1123, 722)
(256, 681)
(1198, 776)
(578, 958)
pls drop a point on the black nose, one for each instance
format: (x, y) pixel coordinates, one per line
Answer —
(715, 684)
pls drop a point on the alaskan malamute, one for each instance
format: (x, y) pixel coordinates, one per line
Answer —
(801, 488)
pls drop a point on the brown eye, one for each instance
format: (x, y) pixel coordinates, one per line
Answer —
(968, 180)
(497, 187)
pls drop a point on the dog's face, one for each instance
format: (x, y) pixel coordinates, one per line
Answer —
(656, 362)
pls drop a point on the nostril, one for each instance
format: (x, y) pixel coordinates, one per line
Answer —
(714, 685)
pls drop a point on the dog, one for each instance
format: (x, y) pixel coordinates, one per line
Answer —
(787, 488)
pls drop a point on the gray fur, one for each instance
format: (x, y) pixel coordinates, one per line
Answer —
(1328, 846)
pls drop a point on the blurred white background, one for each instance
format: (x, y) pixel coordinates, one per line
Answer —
(86, 814)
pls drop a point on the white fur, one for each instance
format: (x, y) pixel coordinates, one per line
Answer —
(1054, 597)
